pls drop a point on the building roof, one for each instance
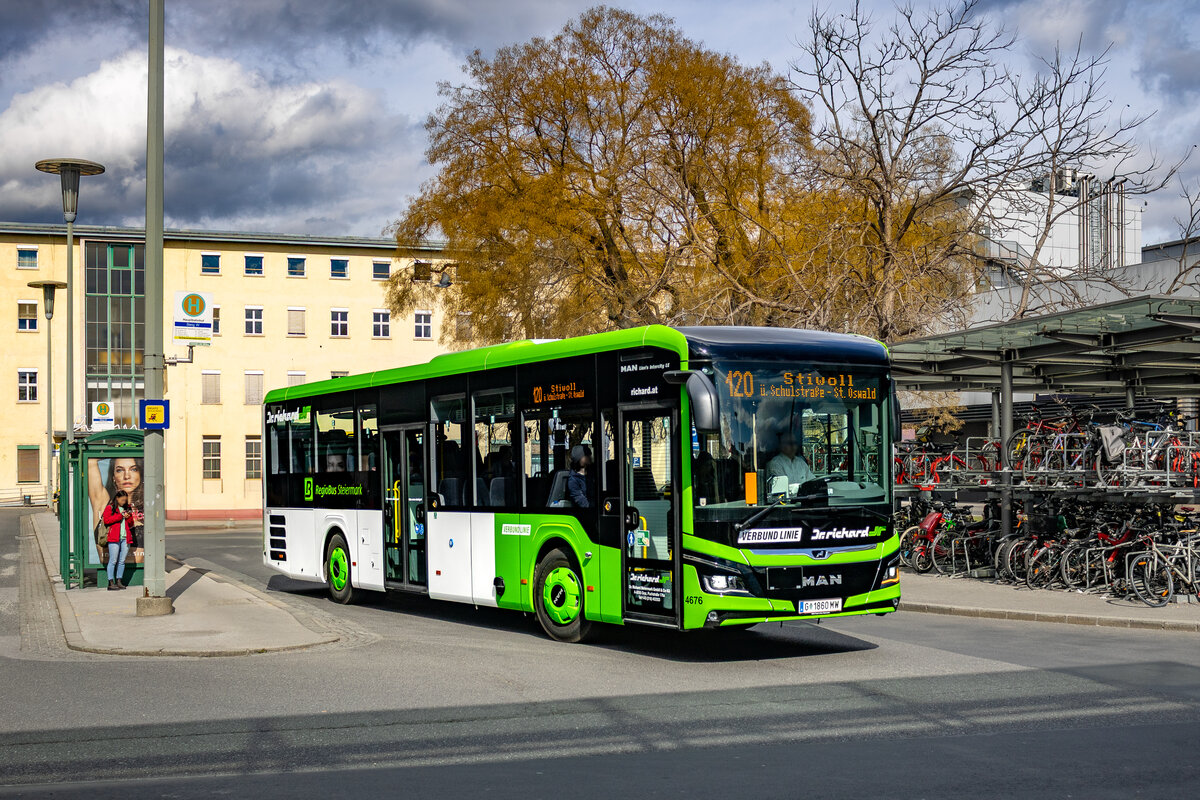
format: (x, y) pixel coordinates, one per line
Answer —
(184, 235)
(1148, 344)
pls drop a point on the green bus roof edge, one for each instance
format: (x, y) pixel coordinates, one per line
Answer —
(492, 357)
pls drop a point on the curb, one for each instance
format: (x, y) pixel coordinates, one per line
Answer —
(75, 641)
(1044, 616)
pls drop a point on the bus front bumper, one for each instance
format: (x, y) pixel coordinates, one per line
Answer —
(704, 609)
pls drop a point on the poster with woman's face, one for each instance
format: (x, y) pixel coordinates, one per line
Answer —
(106, 477)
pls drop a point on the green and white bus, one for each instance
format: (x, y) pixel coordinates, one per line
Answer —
(451, 479)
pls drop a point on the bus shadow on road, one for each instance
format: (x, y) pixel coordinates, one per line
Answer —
(763, 642)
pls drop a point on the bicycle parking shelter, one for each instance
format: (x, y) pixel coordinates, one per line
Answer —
(1147, 346)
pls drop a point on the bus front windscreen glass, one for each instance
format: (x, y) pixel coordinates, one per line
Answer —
(793, 434)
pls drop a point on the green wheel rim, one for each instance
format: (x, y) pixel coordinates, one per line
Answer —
(339, 570)
(560, 595)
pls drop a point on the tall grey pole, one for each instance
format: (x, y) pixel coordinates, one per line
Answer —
(70, 389)
(155, 602)
(1006, 432)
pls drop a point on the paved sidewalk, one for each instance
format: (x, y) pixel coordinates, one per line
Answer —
(214, 616)
(972, 597)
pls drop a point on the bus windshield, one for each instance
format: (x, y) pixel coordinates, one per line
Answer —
(800, 434)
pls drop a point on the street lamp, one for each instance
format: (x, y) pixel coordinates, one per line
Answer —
(69, 169)
(48, 288)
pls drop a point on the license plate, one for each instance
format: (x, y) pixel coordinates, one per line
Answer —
(827, 606)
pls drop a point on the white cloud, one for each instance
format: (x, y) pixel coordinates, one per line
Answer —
(237, 145)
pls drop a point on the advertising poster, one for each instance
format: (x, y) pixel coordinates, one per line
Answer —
(107, 477)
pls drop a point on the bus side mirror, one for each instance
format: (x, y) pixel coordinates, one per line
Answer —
(702, 397)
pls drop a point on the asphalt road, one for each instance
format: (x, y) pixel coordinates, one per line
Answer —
(440, 700)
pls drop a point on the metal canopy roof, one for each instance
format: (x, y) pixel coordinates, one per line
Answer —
(1148, 345)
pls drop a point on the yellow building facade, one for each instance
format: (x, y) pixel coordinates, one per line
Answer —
(288, 309)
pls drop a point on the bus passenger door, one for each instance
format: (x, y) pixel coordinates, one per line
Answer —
(404, 511)
(649, 496)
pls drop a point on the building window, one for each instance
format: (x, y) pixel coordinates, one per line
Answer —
(254, 321)
(339, 323)
(210, 387)
(216, 320)
(114, 315)
(381, 324)
(295, 378)
(27, 385)
(339, 268)
(422, 271)
(295, 322)
(27, 258)
(338, 373)
(295, 267)
(380, 270)
(424, 325)
(253, 457)
(27, 316)
(211, 456)
(210, 264)
(462, 326)
(254, 265)
(254, 387)
(29, 468)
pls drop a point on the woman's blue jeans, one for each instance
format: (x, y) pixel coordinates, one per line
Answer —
(116, 558)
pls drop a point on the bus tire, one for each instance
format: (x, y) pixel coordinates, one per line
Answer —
(337, 570)
(558, 596)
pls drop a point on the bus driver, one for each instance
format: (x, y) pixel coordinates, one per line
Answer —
(789, 463)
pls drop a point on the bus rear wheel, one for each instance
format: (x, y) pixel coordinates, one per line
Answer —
(337, 570)
(558, 597)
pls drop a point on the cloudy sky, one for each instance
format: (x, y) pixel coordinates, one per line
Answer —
(306, 116)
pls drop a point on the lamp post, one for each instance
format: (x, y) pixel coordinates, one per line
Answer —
(48, 288)
(69, 170)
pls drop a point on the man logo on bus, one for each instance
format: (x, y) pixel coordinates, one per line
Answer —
(308, 488)
(193, 305)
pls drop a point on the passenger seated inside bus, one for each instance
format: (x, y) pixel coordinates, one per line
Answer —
(581, 486)
(335, 462)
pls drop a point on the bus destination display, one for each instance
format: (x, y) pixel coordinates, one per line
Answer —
(807, 385)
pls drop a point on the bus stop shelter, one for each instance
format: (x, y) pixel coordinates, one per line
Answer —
(1145, 346)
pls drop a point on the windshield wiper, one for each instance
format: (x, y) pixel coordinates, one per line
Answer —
(757, 515)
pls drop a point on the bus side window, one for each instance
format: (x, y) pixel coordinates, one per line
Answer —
(450, 464)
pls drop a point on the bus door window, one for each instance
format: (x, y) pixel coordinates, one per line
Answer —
(649, 543)
(496, 467)
(413, 492)
(450, 465)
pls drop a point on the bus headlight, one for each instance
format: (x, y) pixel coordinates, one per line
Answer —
(891, 575)
(721, 584)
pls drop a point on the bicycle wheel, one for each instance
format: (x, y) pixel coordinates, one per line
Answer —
(1042, 568)
(922, 559)
(1075, 569)
(1017, 447)
(942, 553)
(1015, 564)
(1000, 558)
(907, 543)
(1151, 580)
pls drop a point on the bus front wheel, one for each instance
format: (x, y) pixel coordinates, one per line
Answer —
(337, 569)
(558, 597)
